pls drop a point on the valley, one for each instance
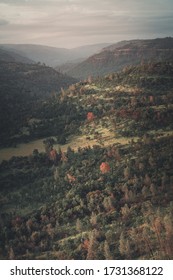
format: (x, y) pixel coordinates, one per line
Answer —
(86, 168)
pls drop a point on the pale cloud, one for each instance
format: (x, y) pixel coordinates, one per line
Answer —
(75, 22)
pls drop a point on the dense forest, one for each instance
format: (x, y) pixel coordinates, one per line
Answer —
(110, 198)
(22, 88)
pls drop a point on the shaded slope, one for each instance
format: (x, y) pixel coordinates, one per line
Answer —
(36, 79)
(21, 85)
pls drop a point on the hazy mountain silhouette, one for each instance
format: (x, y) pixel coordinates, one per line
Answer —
(52, 56)
(10, 56)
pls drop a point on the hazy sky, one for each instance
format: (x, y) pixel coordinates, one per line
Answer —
(70, 23)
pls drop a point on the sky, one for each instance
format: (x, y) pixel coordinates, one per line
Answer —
(72, 23)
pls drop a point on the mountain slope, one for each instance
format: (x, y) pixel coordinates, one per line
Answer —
(37, 79)
(81, 53)
(21, 87)
(111, 198)
(117, 56)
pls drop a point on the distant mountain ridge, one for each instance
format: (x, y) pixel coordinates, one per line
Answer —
(10, 56)
(53, 56)
(49, 55)
(114, 57)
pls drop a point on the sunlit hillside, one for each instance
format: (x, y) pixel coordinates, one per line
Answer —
(102, 187)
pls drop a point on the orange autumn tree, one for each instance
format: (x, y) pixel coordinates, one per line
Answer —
(53, 155)
(105, 167)
(90, 116)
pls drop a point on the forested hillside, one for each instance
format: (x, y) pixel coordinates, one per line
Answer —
(109, 195)
(22, 87)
